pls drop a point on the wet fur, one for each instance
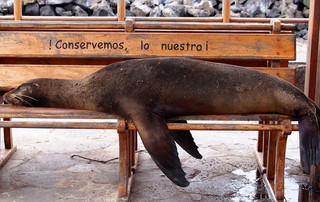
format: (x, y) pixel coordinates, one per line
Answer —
(150, 90)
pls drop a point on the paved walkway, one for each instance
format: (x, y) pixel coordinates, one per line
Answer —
(42, 170)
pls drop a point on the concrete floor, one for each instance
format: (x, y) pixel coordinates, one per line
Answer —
(42, 170)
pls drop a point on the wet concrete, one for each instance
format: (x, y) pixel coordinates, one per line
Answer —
(227, 172)
(42, 170)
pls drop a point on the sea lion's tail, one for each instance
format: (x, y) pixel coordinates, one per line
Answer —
(309, 134)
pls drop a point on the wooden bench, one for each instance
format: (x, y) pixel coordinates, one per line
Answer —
(32, 49)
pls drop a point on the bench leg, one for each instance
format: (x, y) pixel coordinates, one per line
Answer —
(271, 159)
(280, 165)
(134, 147)
(9, 149)
(124, 163)
(260, 139)
(8, 143)
(272, 156)
(128, 159)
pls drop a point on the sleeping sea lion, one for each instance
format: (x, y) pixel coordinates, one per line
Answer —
(148, 91)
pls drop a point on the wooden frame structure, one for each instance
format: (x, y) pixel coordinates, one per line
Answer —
(74, 47)
(312, 88)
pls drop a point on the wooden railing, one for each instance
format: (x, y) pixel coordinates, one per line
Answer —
(121, 10)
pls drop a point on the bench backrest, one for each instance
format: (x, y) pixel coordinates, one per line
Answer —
(46, 50)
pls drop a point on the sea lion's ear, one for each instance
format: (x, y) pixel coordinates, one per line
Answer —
(159, 143)
(36, 85)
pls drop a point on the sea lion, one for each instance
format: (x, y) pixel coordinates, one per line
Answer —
(148, 91)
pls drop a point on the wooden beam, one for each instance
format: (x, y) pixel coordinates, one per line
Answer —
(17, 9)
(121, 7)
(226, 11)
(113, 45)
(312, 82)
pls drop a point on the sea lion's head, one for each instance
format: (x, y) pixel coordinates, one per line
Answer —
(24, 95)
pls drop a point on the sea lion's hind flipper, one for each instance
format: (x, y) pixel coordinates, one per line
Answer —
(185, 140)
(309, 135)
(160, 145)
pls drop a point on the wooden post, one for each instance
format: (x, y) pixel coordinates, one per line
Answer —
(123, 156)
(312, 84)
(121, 7)
(17, 7)
(7, 132)
(280, 164)
(266, 135)
(272, 153)
(280, 159)
(226, 11)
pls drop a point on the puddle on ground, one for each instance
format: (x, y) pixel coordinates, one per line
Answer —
(255, 190)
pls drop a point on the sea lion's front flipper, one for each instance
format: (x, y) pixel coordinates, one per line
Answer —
(185, 140)
(160, 145)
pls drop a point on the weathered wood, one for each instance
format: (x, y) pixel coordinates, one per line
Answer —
(17, 9)
(226, 11)
(123, 156)
(219, 19)
(260, 141)
(121, 8)
(280, 165)
(120, 25)
(7, 133)
(5, 154)
(110, 125)
(265, 149)
(189, 26)
(61, 19)
(267, 20)
(271, 155)
(9, 111)
(13, 75)
(83, 44)
(45, 25)
(312, 80)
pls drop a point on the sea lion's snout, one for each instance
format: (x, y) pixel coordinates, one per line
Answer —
(19, 96)
(10, 98)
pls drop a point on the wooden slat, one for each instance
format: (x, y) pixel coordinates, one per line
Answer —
(17, 9)
(312, 82)
(110, 125)
(55, 23)
(13, 75)
(226, 11)
(189, 26)
(96, 44)
(5, 155)
(9, 111)
(73, 18)
(80, 24)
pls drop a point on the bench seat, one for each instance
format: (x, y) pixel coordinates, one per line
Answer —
(281, 127)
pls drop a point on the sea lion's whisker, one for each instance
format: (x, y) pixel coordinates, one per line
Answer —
(23, 100)
(27, 96)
